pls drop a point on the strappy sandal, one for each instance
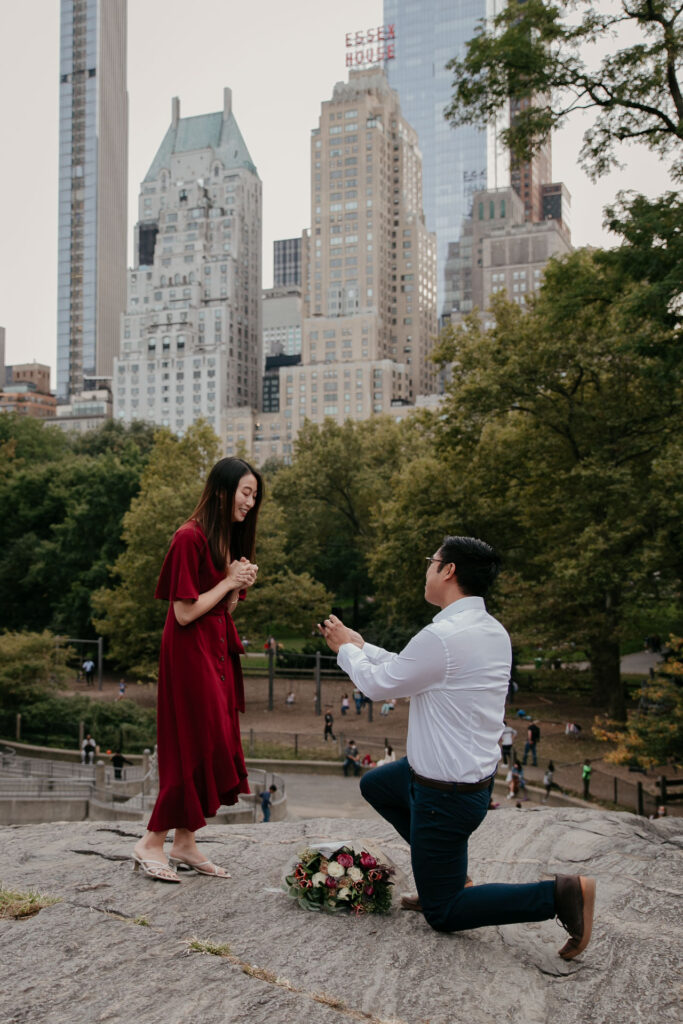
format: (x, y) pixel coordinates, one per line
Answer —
(157, 869)
(202, 867)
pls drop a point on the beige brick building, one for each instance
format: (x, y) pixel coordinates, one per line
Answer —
(368, 275)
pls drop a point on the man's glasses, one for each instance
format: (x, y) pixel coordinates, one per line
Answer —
(433, 558)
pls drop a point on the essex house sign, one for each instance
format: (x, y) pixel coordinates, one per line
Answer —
(370, 46)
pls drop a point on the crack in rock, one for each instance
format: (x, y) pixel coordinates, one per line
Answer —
(104, 856)
(270, 978)
(120, 832)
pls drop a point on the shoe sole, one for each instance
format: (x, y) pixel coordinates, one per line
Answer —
(570, 950)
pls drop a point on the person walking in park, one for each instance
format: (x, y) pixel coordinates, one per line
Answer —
(586, 772)
(118, 761)
(208, 568)
(548, 782)
(507, 738)
(88, 667)
(329, 723)
(345, 704)
(456, 672)
(266, 801)
(533, 735)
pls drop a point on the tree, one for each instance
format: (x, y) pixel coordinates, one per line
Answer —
(653, 735)
(63, 527)
(560, 414)
(330, 494)
(539, 50)
(281, 598)
(32, 666)
(170, 487)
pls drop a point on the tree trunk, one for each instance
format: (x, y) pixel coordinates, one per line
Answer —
(608, 690)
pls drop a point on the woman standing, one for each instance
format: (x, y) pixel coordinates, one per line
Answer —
(201, 765)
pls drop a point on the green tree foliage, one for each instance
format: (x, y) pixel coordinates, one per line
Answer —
(281, 599)
(170, 486)
(330, 493)
(562, 412)
(553, 54)
(654, 732)
(24, 440)
(32, 666)
(65, 504)
(54, 721)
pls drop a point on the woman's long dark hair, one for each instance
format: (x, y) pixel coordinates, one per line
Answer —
(227, 540)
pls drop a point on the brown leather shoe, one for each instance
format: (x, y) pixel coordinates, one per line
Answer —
(574, 905)
(410, 902)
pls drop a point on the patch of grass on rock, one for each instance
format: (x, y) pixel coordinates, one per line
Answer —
(19, 905)
(206, 946)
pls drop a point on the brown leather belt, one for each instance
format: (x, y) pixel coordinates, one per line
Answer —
(452, 787)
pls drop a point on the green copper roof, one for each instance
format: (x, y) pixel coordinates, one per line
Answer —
(207, 131)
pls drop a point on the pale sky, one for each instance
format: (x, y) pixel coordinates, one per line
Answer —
(280, 60)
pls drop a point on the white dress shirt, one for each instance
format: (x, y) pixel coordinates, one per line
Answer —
(456, 672)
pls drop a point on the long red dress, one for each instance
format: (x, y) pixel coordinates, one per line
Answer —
(200, 694)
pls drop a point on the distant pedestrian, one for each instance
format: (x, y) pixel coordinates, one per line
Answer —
(533, 735)
(88, 667)
(88, 750)
(118, 761)
(266, 801)
(548, 782)
(388, 706)
(389, 756)
(329, 722)
(345, 704)
(122, 689)
(358, 700)
(351, 758)
(290, 698)
(506, 740)
(586, 772)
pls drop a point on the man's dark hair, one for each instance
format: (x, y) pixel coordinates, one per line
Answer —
(476, 563)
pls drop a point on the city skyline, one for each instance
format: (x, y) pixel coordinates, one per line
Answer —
(279, 63)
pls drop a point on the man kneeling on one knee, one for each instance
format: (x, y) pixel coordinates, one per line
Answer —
(456, 672)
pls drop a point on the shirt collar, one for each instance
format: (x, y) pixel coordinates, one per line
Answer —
(463, 604)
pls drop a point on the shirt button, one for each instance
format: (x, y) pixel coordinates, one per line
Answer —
(221, 658)
(223, 678)
(221, 639)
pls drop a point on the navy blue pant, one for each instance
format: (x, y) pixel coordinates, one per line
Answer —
(437, 825)
(530, 748)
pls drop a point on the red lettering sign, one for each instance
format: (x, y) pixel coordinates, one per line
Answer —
(371, 54)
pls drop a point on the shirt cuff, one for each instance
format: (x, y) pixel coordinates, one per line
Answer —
(372, 653)
(348, 655)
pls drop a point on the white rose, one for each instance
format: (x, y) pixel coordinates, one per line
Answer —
(318, 878)
(343, 894)
(355, 874)
(334, 869)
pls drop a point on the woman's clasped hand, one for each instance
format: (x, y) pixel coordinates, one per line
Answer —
(241, 574)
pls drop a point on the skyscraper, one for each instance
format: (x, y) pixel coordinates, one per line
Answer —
(455, 162)
(93, 167)
(287, 263)
(191, 336)
(368, 273)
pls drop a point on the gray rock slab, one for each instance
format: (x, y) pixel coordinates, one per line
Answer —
(86, 960)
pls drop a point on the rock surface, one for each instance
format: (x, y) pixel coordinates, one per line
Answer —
(85, 959)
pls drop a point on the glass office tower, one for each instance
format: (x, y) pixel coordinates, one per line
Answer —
(455, 162)
(93, 158)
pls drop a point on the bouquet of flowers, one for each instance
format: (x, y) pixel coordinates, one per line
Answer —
(341, 880)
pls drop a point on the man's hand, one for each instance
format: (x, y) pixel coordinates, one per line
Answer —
(336, 634)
